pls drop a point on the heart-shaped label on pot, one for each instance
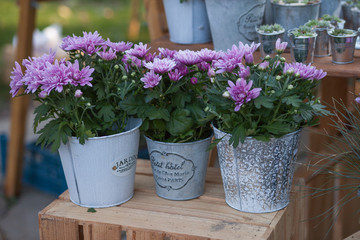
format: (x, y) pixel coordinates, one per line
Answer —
(171, 171)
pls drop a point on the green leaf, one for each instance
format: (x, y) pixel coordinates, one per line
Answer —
(157, 113)
(238, 135)
(91, 210)
(179, 123)
(277, 128)
(151, 96)
(159, 124)
(106, 112)
(267, 102)
(196, 112)
(134, 106)
(292, 100)
(41, 113)
(180, 99)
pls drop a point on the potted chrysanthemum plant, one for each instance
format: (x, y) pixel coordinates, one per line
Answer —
(259, 110)
(169, 99)
(79, 104)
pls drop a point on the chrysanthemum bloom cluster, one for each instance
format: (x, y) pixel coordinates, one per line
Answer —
(241, 93)
(304, 71)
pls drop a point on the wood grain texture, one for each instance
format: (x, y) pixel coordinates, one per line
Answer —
(146, 216)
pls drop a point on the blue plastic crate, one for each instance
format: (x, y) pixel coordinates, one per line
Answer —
(42, 168)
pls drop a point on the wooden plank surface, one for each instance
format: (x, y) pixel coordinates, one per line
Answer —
(147, 216)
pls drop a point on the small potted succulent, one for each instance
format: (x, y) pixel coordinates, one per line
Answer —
(187, 21)
(335, 21)
(79, 104)
(343, 43)
(302, 44)
(169, 99)
(268, 34)
(293, 13)
(259, 110)
(322, 43)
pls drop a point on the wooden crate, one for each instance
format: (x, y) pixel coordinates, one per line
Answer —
(147, 216)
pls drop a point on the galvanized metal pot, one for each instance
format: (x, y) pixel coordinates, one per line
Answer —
(257, 175)
(322, 43)
(292, 16)
(346, 15)
(343, 48)
(331, 7)
(232, 21)
(179, 168)
(355, 18)
(302, 48)
(101, 172)
(188, 21)
(268, 41)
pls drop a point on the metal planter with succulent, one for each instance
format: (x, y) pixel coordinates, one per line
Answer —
(268, 34)
(302, 44)
(343, 43)
(322, 43)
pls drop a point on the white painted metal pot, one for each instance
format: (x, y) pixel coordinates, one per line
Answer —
(187, 21)
(179, 168)
(101, 172)
(257, 175)
(232, 21)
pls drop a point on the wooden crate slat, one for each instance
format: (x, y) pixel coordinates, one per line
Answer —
(94, 231)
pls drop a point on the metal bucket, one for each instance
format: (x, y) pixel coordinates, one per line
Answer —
(355, 17)
(302, 48)
(101, 172)
(188, 21)
(292, 16)
(322, 43)
(232, 21)
(268, 41)
(179, 168)
(331, 7)
(343, 48)
(257, 175)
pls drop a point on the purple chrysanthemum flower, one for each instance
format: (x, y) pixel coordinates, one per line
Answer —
(56, 76)
(244, 72)
(211, 72)
(71, 43)
(280, 46)
(80, 77)
(151, 79)
(119, 46)
(357, 100)
(187, 57)
(161, 65)
(304, 71)
(16, 79)
(150, 57)
(89, 42)
(231, 59)
(107, 55)
(264, 65)
(208, 55)
(166, 53)
(250, 48)
(140, 50)
(241, 93)
(193, 80)
(42, 94)
(131, 61)
(249, 58)
(182, 69)
(78, 93)
(175, 75)
(203, 66)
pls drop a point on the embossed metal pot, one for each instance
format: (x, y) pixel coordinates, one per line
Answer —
(302, 48)
(101, 172)
(179, 168)
(232, 21)
(188, 21)
(268, 41)
(343, 47)
(292, 16)
(257, 175)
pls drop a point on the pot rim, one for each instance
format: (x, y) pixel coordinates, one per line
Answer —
(177, 144)
(269, 34)
(72, 139)
(301, 37)
(354, 34)
(295, 4)
(252, 138)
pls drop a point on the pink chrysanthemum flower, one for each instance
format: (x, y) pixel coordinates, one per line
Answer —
(161, 65)
(244, 72)
(280, 46)
(264, 65)
(131, 61)
(357, 99)
(56, 76)
(231, 59)
(151, 79)
(203, 66)
(140, 50)
(187, 57)
(16, 79)
(241, 93)
(193, 80)
(119, 46)
(80, 77)
(175, 75)
(208, 55)
(304, 71)
(166, 53)
(107, 55)
(89, 42)
(78, 93)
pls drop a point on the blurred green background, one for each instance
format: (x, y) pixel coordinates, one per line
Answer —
(110, 18)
